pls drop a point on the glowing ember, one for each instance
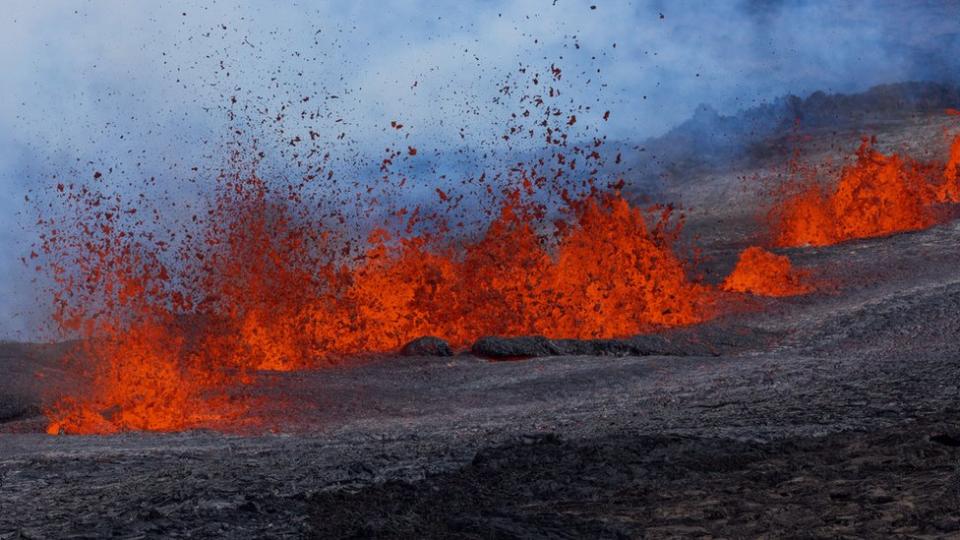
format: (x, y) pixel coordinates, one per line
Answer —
(767, 274)
(877, 195)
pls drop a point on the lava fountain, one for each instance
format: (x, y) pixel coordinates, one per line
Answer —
(877, 195)
(763, 273)
(170, 311)
(163, 332)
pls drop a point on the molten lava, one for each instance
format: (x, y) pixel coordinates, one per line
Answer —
(609, 274)
(174, 301)
(144, 380)
(168, 320)
(763, 273)
(260, 290)
(877, 195)
(175, 307)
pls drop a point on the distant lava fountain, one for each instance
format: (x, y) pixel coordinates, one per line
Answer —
(877, 195)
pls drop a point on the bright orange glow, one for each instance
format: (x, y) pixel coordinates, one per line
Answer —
(149, 383)
(177, 299)
(949, 191)
(608, 275)
(164, 347)
(763, 273)
(877, 195)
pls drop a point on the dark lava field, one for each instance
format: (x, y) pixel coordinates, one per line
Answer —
(829, 415)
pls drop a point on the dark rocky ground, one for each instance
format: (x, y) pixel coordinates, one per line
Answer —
(896, 481)
(831, 415)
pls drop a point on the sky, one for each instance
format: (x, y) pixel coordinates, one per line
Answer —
(142, 88)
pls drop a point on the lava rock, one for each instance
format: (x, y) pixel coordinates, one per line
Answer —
(605, 347)
(427, 346)
(17, 407)
(946, 439)
(506, 348)
(515, 347)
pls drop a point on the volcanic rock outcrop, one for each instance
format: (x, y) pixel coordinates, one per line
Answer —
(427, 346)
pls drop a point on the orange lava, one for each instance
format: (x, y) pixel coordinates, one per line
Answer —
(609, 274)
(763, 273)
(149, 382)
(258, 291)
(877, 195)
(167, 323)
(175, 300)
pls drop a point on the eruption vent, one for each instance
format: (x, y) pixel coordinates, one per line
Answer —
(877, 195)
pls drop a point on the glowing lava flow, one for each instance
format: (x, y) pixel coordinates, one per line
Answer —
(877, 195)
(165, 333)
(610, 274)
(767, 274)
(260, 291)
(174, 303)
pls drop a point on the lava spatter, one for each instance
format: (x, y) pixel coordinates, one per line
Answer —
(763, 273)
(877, 195)
(171, 311)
